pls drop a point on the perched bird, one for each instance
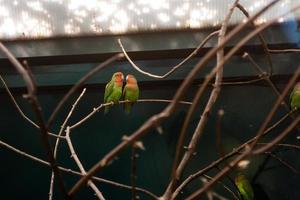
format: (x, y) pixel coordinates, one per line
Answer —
(295, 97)
(113, 89)
(131, 92)
(244, 187)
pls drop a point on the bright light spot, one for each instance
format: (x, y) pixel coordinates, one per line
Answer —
(8, 27)
(281, 19)
(80, 13)
(186, 6)
(146, 10)
(179, 12)
(71, 29)
(3, 12)
(260, 21)
(163, 17)
(153, 26)
(154, 4)
(120, 24)
(243, 164)
(35, 5)
(197, 17)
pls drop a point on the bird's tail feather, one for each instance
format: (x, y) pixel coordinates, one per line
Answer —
(127, 107)
(106, 109)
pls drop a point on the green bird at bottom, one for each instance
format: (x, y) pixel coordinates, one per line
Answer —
(295, 97)
(131, 92)
(113, 90)
(244, 187)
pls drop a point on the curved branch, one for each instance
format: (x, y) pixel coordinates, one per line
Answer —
(174, 68)
(20, 110)
(261, 38)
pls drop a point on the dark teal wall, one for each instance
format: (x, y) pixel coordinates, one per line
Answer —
(245, 108)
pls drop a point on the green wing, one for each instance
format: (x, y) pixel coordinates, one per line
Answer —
(131, 94)
(244, 187)
(108, 90)
(295, 98)
(115, 95)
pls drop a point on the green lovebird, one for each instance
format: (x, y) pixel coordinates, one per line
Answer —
(131, 92)
(244, 187)
(113, 89)
(295, 97)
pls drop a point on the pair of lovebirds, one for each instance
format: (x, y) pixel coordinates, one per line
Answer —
(114, 91)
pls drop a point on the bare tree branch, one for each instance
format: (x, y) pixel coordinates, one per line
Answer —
(261, 39)
(267, 78)
(283, 50)
(80, 166)
(297, 172)
(174, 68)
(20, 110)
(57, 140)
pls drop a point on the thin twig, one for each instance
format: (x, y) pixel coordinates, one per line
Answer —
(278, 138)
(283, 145)
(286, 164)
(224, 186)
(20, 110)
(79, 84)
(211, 194)
(260, 37)
(109, 182)
(32, 98)
(57, 140)
(174, 68)
(267, 78)
(276, 105)
(80, 166)
(158, 118)
(283, 50)
(271, 84)
(219, 146)
(242, 82)
(101, 106)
